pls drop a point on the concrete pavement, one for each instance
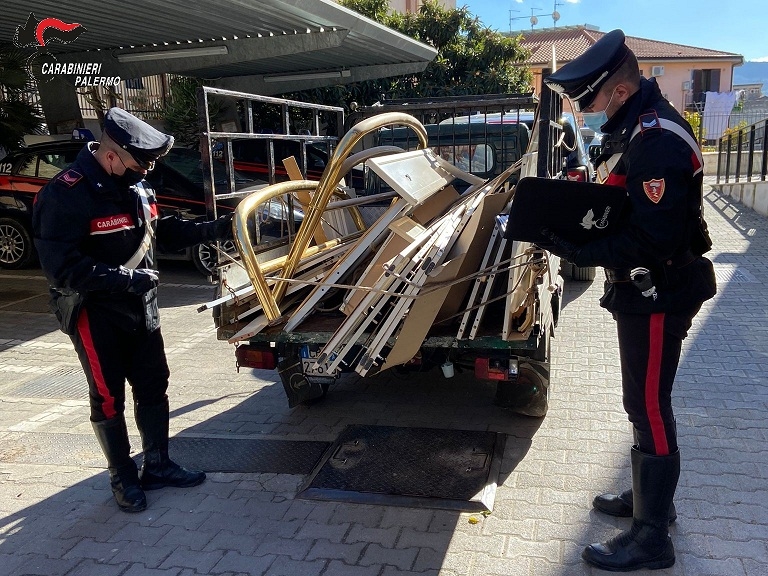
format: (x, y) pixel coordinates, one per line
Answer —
(59, 519)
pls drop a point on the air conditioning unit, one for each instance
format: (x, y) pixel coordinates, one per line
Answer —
(657, 71)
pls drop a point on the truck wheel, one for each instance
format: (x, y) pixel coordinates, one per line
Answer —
(529, 395)
(204, 256)
(583, 273)
(16, 247)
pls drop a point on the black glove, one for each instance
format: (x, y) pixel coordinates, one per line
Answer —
(142, 280)
(566, 250)
(224, 227)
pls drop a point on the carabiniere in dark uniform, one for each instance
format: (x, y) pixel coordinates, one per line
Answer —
(95, 231)
(657, 278)
(665, 231)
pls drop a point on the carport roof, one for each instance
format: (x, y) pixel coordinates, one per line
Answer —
(254, 38)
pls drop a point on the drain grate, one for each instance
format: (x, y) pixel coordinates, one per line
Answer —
(209, 454)
(417, 467)
(68, 383)
(730, 273)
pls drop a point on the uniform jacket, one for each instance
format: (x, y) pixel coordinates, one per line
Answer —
(87, 227)
(663, 180)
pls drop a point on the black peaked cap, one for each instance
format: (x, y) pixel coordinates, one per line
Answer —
(582, 78)
(144, 142)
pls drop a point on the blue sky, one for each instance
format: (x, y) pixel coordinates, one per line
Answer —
(728, 25)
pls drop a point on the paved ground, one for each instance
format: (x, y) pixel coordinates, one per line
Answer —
(60, 519)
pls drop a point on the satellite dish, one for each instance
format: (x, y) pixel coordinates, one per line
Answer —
(534, 20)
(555, 15)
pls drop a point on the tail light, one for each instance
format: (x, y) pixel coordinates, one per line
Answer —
(251, 356)
(577, 174)
(496, 368)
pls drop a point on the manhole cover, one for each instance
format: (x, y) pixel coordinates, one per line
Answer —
(417, 467)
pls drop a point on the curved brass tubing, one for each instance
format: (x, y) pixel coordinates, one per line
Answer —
(330, 178)
(245, 246)
(354, 211)
(244, 242)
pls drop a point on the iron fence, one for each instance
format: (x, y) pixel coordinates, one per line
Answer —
(743, 153)
(710, 127)
(145, 97)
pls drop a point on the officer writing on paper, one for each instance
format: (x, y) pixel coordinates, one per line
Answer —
(95, 226)
(657, 278)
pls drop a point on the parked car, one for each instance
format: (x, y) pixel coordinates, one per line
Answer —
(590, 137)
(482, 149)
(250, 157)
(177, 180)
(22, 174)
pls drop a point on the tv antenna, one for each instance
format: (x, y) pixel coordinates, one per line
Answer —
(533, 19)
(556, 14)
(510, 18)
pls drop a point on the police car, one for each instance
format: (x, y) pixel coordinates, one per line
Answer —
(177, 180)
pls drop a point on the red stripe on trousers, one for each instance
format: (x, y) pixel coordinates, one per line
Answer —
(84, 329)
(652, 377)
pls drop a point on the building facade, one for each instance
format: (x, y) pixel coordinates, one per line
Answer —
(684, 73)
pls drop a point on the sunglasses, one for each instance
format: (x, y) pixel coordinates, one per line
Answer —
(147, 165)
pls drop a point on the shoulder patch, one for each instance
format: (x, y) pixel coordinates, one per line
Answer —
(70, 177)
(649, 121)
(654, 189)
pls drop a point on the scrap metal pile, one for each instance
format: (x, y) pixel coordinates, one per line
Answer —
(435, 260)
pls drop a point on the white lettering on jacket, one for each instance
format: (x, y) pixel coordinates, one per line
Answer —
(114, 223)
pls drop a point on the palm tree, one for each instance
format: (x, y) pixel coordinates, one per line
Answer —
(17, 116)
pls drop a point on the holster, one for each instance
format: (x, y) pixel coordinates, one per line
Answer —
(67, 308)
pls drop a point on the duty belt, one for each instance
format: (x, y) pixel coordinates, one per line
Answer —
(614, 275)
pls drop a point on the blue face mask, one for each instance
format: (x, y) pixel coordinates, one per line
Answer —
(596, 120)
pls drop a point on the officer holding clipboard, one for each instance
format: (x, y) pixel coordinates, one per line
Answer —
(657, 278)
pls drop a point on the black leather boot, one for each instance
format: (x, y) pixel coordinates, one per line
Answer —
(158, 470)
(113, 438)
(647, 543)
(621, 505)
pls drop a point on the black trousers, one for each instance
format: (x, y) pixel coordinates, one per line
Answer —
(649, 347)
(110, 355)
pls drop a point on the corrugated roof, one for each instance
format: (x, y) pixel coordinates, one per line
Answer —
(572, 41)
(262, 36)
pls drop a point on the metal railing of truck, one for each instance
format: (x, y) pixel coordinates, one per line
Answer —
(243, 108)
(741, 156)
(510, 111)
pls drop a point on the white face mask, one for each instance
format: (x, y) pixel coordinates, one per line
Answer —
(596, 120)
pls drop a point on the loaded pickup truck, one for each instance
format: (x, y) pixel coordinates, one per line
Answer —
(411, 272)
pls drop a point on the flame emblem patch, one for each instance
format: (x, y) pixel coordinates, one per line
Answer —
(654, 189)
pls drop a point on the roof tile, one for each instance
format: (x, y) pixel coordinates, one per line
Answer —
(572, 41)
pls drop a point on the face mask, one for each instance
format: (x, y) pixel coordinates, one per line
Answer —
(129, 177)
(596, 120)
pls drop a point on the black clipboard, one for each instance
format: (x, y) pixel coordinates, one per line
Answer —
(578, 212)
